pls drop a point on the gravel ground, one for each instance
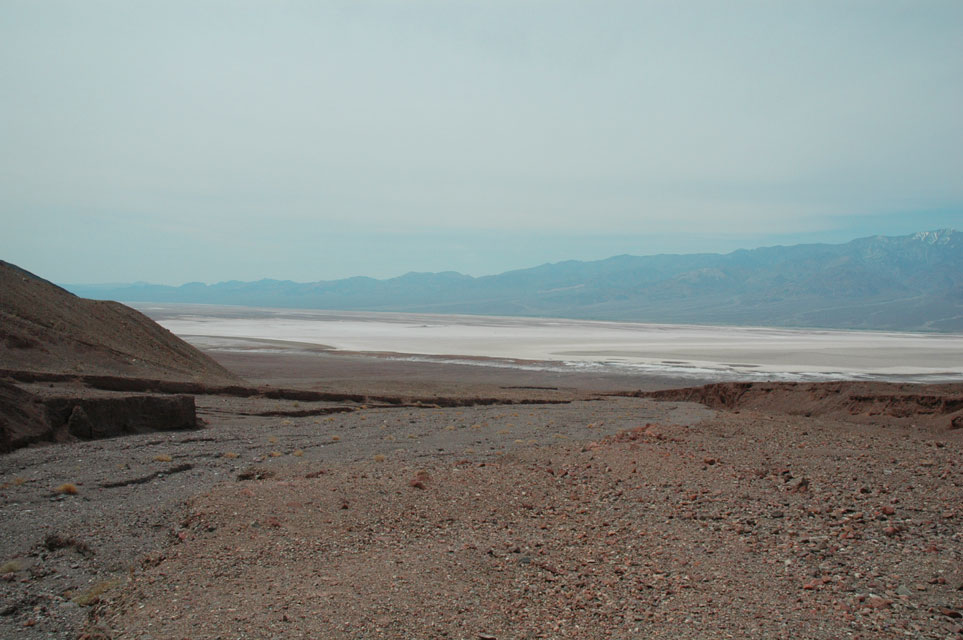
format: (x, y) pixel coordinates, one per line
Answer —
(739, 526)
(61, 550)
(592, 517)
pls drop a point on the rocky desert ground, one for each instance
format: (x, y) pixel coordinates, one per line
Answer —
(493, 512)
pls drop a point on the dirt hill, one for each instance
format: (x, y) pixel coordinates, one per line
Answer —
(48, 329)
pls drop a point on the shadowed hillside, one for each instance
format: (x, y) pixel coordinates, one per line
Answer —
(45, 328)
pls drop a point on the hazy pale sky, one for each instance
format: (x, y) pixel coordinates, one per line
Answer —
(172, 141)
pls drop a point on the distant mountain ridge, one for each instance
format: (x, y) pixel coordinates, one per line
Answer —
(912, 282)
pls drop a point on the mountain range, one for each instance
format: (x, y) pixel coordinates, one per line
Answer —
(912, 282)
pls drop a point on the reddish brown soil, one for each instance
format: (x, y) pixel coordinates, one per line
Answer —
(936, 406)
(743, 526)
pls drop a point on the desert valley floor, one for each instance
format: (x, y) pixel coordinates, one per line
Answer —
(427, 500)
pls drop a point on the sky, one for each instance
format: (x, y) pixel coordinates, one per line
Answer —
(177, 141)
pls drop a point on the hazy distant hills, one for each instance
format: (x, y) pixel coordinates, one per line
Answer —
(904, 283)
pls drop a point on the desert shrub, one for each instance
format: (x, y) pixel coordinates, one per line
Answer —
(55, 541)
(255, 473)
(11, 566)
(91, 595)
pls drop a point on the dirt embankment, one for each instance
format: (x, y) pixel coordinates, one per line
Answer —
(27, 418)
(937, 407)
(54, 407)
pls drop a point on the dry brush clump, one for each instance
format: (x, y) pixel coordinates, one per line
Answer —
(67, 489)
(55, 541)
(91, 595)
(419, 480)
(11, 566)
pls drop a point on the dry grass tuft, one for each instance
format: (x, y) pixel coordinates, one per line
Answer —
(68, 489)
(163, 458)
(298, 452)
(276, 454)
(335, 438)
(379, 457)
(92, 595)
(231, 454)
(11, 566)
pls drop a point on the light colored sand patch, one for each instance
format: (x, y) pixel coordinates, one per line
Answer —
(724, 351)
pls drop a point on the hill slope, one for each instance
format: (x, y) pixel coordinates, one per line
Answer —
(45, 328)
(910, 282)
